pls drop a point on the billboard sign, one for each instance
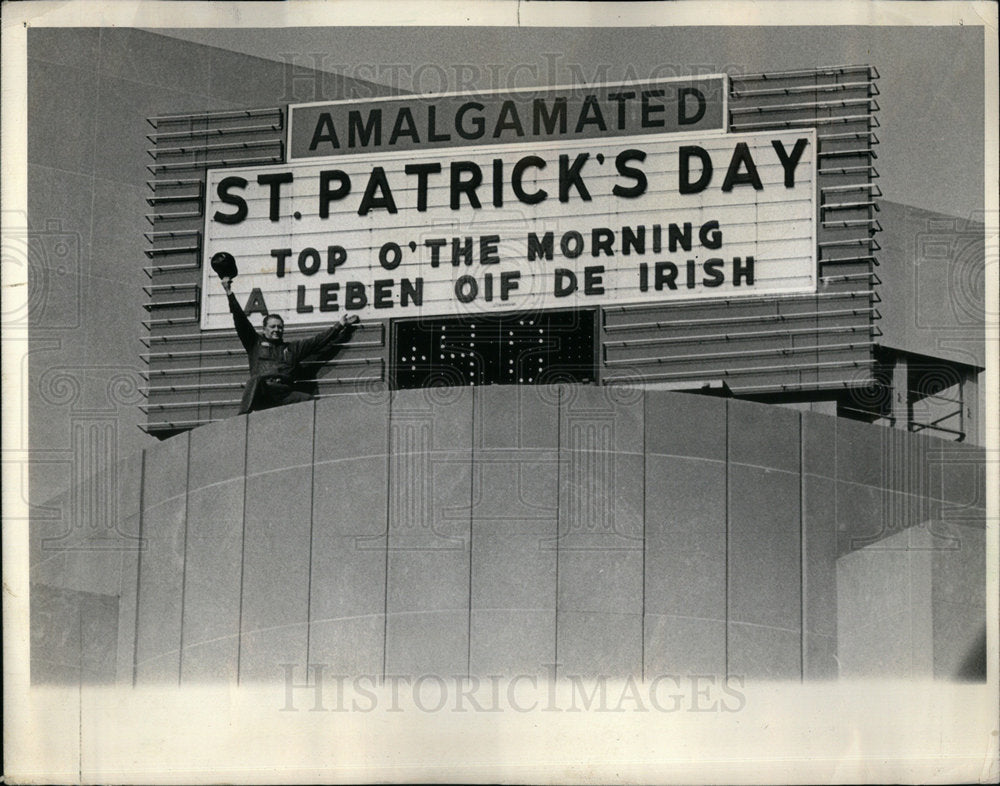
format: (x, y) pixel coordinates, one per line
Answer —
(515, 227)
(521, 116)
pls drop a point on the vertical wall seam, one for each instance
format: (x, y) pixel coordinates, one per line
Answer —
(555, 653)
(803, 556)
(472, 484)
(642, 627)
(187, 507)
(243, 546)
(312, 524)
(726, 547)
(836, 544)
(388, 523)
(912, 659)
(138, 567)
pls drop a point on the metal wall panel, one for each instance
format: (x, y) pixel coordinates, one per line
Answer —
(196, 377)
(789, 343)
(756, 346)
(717, 557)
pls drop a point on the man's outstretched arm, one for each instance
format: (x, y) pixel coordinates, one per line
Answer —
(314, 344)
(248, 336)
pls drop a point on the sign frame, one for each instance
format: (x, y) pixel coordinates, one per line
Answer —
(289, 133)
(492, 149)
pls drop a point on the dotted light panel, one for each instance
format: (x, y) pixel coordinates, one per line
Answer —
(513, 349)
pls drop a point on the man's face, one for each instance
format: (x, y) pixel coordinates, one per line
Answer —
(274, 329)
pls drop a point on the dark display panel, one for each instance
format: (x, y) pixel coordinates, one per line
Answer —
(510, 349)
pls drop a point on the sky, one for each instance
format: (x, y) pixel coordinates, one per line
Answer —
(931, 78)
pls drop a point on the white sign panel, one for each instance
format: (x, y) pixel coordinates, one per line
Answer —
(516, 227)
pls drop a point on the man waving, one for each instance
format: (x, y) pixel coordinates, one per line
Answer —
(274, 361)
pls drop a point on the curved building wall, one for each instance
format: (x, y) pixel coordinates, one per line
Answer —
(501, 530)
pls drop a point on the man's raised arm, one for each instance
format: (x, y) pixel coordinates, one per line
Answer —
(314, 344)
(248, 336)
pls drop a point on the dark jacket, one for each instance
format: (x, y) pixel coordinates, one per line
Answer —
(274, 360)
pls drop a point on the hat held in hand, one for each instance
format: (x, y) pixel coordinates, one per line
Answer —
(224, 264)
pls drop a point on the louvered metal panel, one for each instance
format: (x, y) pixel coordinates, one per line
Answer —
(789, 343)
(195, 377)
(757, 345)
